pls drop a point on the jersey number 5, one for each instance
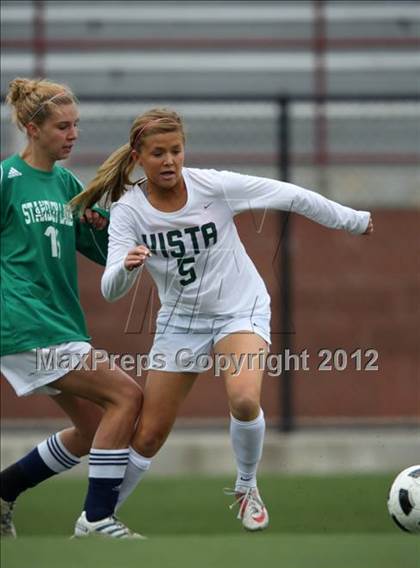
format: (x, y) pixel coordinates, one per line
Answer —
(52, 233)
(187, 271)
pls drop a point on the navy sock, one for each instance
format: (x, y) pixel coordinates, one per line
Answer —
(102, 498)
(47, 459)
(106, 473)
(22, 475)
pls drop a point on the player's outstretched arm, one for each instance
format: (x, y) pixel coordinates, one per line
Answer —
(248, 192)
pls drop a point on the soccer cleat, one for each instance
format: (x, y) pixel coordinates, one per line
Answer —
(110, 527)
(252, 511)
(7, 528)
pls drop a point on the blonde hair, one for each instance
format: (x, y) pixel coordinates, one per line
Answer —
(113, 175)
(34, 100)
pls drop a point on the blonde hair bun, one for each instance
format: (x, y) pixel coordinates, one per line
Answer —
(30, 99)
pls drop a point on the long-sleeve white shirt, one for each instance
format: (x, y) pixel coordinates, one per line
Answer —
(197, 257)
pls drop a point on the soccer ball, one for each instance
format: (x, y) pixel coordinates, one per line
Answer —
(404, 499)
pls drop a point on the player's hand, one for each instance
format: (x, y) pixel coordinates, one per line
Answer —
(95, 219)
(136, 257)
(369, 229)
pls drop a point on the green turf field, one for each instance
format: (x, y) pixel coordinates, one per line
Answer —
(326, 522)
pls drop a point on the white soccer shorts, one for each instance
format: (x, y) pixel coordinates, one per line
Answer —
(184, 344)
(29, 372)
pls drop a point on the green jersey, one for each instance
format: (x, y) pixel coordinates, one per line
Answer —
(39, 237)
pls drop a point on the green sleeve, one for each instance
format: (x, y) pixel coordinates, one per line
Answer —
(91, 242)
(2, 200)
(101, 211)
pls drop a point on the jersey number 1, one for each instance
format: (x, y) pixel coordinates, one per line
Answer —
(52, 233)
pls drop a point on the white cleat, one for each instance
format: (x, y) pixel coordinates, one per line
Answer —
(7, 528)
(252, 511)
(110, 527)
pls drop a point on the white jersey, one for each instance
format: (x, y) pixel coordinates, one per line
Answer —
(198, 262)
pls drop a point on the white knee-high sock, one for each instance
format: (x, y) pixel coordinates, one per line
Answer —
(247, 442)
(137, 468)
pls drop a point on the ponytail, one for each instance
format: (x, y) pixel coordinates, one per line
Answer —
(110, 181)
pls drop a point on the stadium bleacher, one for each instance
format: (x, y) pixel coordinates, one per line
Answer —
(216, 47)
(224, 48)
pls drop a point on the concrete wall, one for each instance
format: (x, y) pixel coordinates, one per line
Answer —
(210, 453)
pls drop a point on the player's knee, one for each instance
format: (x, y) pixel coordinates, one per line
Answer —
(244, 407)
(130, 398)
(149, 441)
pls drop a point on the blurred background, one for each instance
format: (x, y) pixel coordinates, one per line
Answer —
(324, 94)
